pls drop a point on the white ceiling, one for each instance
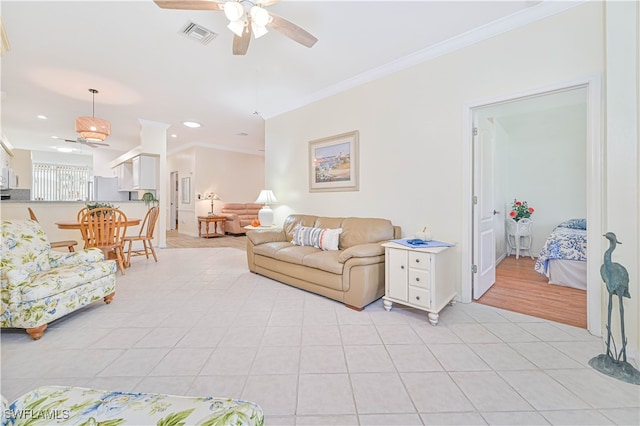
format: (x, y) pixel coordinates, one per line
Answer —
(132, 53)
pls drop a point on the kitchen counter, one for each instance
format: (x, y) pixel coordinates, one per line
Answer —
(50, 212)
(115, 203)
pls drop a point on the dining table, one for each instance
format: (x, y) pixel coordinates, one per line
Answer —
(74, 224)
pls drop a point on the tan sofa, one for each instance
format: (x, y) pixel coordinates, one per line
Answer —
(239, 215)
(353, 274)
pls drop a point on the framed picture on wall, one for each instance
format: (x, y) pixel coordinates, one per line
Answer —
(185, 190)
(333, 163)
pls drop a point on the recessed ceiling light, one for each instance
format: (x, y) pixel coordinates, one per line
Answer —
(64, 149)
(42, 117)
(191, 124)
(174, 135)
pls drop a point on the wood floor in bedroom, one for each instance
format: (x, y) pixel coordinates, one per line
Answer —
(519, 288)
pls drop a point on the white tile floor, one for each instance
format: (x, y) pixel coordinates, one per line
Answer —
(198, 323)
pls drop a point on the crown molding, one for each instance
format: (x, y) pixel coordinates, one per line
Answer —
(500, 26)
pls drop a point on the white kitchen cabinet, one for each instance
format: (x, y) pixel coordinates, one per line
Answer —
(125, 176)
(144, 172)
(422, 278)
(137, 174)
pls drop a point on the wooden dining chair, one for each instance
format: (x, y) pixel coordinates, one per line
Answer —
(145, 235)
(55, 244)
(105, 229)
(81, 213)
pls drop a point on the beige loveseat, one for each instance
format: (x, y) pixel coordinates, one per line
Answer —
(353, 274)
(239, 215)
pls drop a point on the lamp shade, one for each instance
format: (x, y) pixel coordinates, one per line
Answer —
(266, 197)
(212, 196)
(233, 10)
(93, 129)
(259, 16)
(237, 27)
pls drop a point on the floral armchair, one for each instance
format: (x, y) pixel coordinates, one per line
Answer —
(39, 285)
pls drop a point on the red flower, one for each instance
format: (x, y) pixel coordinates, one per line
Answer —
(520, 210)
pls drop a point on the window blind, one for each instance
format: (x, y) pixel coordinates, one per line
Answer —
(55, 182)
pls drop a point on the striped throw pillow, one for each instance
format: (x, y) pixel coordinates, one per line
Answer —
(322, 238)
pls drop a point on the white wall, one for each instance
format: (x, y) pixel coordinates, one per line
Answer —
(410, 123)
(622, 201)
(235, 177)
(102, 159)
(546, 166)
(184, 163)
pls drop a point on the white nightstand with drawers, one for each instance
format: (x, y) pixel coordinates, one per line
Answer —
(422, 278)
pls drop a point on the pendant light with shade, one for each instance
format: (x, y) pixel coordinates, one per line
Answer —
(93, 129)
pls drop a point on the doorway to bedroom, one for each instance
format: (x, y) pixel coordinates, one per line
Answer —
(533, 150)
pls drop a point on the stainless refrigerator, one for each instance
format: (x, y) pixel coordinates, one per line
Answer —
(103, 188)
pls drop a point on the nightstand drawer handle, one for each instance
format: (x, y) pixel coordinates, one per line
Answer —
(401, 266)
(417, 278)
(417, 297)
(417, 260)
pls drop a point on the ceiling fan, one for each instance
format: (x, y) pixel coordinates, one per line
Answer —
(83, 141)
(254, 20)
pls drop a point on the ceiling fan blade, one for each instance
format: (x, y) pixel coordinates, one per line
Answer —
(92, 144)
(64, 139)
(95, 144)
(291, 30)
(190, 4)
(241, 44)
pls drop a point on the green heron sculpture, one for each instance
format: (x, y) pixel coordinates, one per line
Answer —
(616, 278)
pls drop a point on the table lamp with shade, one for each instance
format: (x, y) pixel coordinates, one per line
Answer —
(265, 215)
(213, 197)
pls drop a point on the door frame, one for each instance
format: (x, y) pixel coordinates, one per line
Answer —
(594, 196)
(173, 194)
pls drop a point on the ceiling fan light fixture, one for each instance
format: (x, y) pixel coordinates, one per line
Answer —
(92, 128)
(257, 30)
(259, 16)
(233, 11)
(237, 27)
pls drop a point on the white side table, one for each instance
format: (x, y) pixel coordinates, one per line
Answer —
(423, 278)
(519, 236)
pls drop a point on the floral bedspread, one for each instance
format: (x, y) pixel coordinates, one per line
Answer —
(50, 405)
(567, 241)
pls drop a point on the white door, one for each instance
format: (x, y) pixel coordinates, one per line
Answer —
(484, 213)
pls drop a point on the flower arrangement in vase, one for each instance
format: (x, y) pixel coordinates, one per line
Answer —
(520, 210)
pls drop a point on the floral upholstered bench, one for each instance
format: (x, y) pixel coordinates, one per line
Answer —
(49, 405)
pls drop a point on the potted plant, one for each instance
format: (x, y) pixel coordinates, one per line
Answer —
(99, 205)
(150, 199)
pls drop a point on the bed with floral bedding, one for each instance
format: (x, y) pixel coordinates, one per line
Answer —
(53, 405)
(563, 258)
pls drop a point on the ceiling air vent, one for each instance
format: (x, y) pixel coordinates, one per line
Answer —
(197, 32)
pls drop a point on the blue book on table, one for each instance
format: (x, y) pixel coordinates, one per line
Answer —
(415, 243)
